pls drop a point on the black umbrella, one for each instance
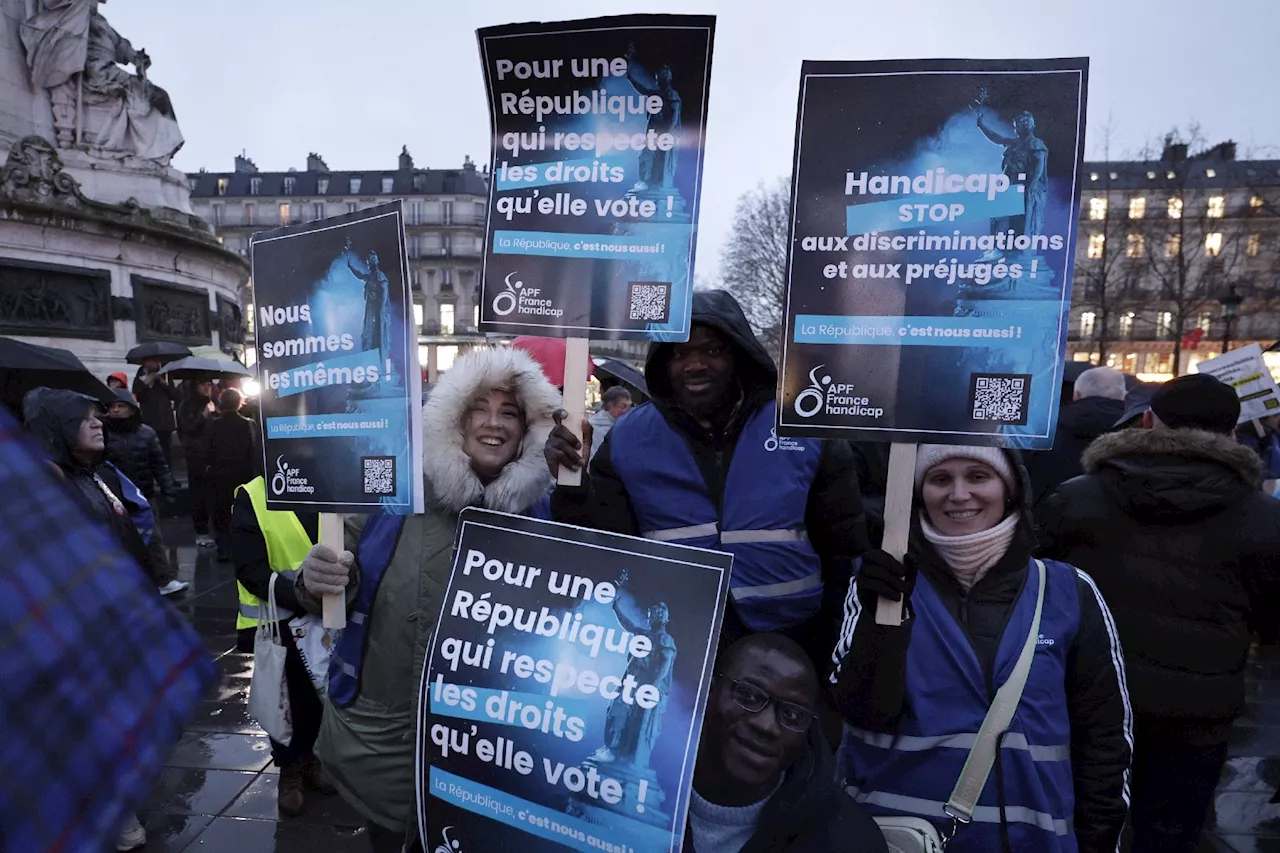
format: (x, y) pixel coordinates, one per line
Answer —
(24, 366)
(198, 367)
(159, 350)
(623, 372)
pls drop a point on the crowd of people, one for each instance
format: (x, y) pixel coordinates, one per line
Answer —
(1075, 622)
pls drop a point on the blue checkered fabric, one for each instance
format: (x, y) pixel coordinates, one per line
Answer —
(98, 674)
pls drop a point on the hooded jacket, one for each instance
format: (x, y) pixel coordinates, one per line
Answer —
(1079, 423)
(368, 746)
(194, 420)
(53, 418)
(869, 685)
(809, 813)
(134, 448)
(1185, 548)
(833, 514)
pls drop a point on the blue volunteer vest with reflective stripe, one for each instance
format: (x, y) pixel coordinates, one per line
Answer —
(142, 516)
(913, 771)
(777, 576)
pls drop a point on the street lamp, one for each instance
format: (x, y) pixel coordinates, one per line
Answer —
(1230, 304)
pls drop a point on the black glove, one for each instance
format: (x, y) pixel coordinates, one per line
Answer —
(882, 575)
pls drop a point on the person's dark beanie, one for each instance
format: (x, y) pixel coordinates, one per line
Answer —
(1197, 401)
(229, 400)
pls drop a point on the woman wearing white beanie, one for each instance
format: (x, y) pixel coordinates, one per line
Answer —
(915, 695)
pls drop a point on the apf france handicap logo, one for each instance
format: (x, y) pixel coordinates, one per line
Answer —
(450, 845)
(505, 302)
(280, 478)
(811, 400)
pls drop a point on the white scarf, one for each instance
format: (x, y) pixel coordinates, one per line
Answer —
(970, 557)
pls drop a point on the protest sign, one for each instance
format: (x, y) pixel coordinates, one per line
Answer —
(598, 130)
(562, 701)
(338, 364)
(934, 216)
(1244, 370)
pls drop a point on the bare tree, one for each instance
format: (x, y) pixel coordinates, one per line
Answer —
(753, 264)
(1104, 276)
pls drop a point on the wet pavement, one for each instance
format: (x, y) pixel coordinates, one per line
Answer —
(217, 791)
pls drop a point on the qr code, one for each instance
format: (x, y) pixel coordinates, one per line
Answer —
(1000, 397)
(379, 475)
(650, 301)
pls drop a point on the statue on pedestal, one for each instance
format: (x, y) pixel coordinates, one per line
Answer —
(657, 168)
(75, 54)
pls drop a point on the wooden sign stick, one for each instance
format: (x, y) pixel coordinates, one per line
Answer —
(575, 401)
(333, 536)
(1259, 428)
(897, 518)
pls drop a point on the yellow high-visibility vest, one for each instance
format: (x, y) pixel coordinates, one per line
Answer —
(287, 546)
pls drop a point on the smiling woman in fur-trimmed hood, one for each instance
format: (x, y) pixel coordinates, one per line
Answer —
(484, 427)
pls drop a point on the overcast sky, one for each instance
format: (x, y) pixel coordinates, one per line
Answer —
(356, 80)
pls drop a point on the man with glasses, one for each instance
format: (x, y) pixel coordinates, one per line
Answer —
(764, 780)
(701, 465)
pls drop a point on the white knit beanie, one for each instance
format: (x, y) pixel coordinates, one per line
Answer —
(930, 455)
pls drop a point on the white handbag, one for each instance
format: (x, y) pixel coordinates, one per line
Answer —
(917, 835)
(268, 691)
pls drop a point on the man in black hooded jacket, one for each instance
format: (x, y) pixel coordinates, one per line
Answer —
(708, 391)
(1169, 521)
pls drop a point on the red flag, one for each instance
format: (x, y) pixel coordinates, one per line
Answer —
(1192, 339)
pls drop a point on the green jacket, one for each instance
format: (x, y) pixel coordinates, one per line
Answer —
(368, 748)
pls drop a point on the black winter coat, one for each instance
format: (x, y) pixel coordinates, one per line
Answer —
(156, 401)
(809, 813)
(1172, 527)
(194, 420)
(1079, 423)
(870, 679)
(833, 515)
(233, 449)
(134, 448)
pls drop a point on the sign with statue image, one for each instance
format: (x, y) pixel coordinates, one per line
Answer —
(563, 698)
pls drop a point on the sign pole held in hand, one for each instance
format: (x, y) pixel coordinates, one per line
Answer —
(897, 518)
(332, 536)
(575, 402)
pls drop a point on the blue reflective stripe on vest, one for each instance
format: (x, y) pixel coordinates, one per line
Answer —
(144, 519)
(377, 543)
(777, 577)
(913, 770)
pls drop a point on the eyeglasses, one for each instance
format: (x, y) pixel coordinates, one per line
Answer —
(750, 698)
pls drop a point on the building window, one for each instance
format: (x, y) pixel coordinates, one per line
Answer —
(322, 186)
(222, 185)
(446, 279)
(248, 215)
(1093, 176)
(1087, 321)
(1171, 174)
(447, 212)
(317, 210)
(355, 185)
(1204, 321)
(419, 183)
(1096, 244)
(1134, 246)
(417, 311)
(217, 214)
(1126, 324)
(387, 184)
(415, 213)
(351, 207)
(1151, 176)
(446, 245)
(221, 242)
(1115, 176)
(1255, 202)
(288, 185)
(1098, 207)
(415, 279)
(1138, 207)
(1254, 245)
(1211, 173)
(1173, 246)
(1175, 208)
(255, 184)
(415, 247)
(1213, 244)
(284, 213)
(1164, 324)
(475, 316)
(1217, 207)
(446, 319)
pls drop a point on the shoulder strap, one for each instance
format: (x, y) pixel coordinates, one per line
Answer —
(977, 767)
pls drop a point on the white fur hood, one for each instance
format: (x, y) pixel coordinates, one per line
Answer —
(453, 485)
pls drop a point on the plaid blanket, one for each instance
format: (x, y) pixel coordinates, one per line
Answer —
(97, 672)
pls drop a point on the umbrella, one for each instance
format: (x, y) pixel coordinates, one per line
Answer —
(24, 366)
(158, 350)
(623, 372)
(549, 353)
(197, 367)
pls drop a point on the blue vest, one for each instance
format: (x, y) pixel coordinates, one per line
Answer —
(141, 514)
(913, 772)
(378, 541)
(777, 576)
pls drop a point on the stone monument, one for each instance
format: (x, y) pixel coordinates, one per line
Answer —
(99, 248)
